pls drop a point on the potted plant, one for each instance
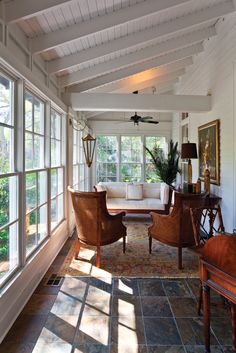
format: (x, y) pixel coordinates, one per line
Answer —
(167, 167)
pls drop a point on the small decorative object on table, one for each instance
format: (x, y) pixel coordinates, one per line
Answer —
(207, 181)
(198, 186)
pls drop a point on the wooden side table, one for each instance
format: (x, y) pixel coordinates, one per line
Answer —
(212, 200)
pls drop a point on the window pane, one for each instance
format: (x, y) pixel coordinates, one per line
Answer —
(42, 187)
(57, 210)
(55, 125)
(60, 180)
(28, 111)
(6, 100)
(9, 259)
(151, 175)
(38, 151)
(131, 149)
(55, 153)
(38, 116)
(30, 191)
(53, 182)
(29, 151)
(8, 200)
(6, 149)
(75, 175)
(107, 149)
(31, 231)
(42, 223)
(131, 172)
(106, 171)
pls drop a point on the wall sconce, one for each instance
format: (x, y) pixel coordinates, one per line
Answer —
(189, 151)
(89, 143)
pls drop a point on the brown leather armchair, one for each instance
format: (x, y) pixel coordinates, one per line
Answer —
(176, 228)
(94, 225)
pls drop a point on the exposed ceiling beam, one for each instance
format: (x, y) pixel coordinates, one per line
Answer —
(22, 9)
(155, 82)
(146, 75)
(142, 102)
(132, 70)
(100, 23)
(137, 57)
(150, 34)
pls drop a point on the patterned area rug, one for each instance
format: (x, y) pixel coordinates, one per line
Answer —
(136, 262)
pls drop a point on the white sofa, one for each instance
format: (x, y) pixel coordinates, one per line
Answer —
(136, 197)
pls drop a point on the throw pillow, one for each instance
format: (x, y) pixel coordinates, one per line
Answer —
(134, 191)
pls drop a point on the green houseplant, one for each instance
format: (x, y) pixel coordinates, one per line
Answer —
(167, 167)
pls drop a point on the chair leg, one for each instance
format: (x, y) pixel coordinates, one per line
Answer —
(124, 244)
(180, 265)
(77, 248)
(199, 302)
(150, 244)
(98, 259)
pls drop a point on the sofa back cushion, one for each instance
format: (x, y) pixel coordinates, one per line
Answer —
(151, 190)
(114, 189)
(134, 191)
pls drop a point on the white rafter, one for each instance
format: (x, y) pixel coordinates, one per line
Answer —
(132, 70)
(22, 9)
(141, 77)
(133, 102)
(137, 57)
(100, 23)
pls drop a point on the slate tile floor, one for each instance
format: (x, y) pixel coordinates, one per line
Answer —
(119, 315)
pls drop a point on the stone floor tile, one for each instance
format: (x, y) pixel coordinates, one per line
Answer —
(16, 347)
(100, 286)
(93, 330)
(20, 331)
(76, 287)
(125, 286)
(165, 349)
(127, 330)
(191, 331)
(222, 329)
(39, 304)
(228, 349)
(127, 348)
(219, 308)
(156, 330)
(183, 307)
(92, 348)
(97, 305)
(126, 306)
(201, 349)
(150, 287)
(53, 347)
(156, 306)
(59, 329)
(65, 304)
(176, 288)
(193, 284)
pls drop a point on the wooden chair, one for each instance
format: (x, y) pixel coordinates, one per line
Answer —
(94, 225)
(218, 271)
(176, 228)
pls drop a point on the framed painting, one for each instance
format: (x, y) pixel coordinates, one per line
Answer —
(208, 144)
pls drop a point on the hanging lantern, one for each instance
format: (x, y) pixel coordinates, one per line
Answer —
(89, 143)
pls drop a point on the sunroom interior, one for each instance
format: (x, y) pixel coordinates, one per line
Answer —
(69, 68)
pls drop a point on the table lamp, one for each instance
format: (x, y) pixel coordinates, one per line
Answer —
(189, 151)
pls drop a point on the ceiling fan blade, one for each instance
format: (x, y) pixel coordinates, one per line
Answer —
(150, 122)
(147, 117)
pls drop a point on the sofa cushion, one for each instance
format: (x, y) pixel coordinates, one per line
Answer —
(151, 190)
(164, 193)
(145, 204)
(114, 189)
(134, 191)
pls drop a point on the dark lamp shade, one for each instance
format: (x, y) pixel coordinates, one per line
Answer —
(189, 150)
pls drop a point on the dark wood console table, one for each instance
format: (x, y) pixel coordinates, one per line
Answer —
(212, 200)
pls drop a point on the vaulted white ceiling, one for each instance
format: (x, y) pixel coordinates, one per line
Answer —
(117, 46)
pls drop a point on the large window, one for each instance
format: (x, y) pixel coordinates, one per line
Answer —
(150, 143)
(36, 227)
(9, 254)
(57, 170)
(107, 158)
(124, 158)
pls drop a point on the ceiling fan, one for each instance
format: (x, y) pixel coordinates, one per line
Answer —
(136, 119)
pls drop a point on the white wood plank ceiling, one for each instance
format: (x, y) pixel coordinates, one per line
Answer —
(117, 45)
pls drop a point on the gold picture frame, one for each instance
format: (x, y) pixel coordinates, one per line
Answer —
(208, 151)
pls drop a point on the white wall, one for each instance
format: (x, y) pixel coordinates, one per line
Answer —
(213, 71)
